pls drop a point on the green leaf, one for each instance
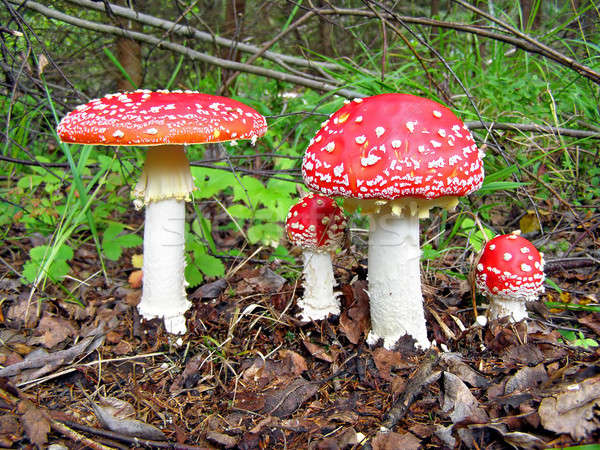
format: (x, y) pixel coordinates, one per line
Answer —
(251, 191)
(209, 265)
(211, 181)
(474, 234)
(266, 233)
(113, 242)
(240, 211)
(193, 276)
(56, 269)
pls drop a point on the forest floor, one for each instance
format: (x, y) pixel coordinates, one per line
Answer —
(249, 375)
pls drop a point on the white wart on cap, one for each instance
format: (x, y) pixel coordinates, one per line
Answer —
(317, 224)
(510, 269)
(391, 147)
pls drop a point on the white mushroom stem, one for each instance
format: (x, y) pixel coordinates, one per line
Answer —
(164, 185)
(500, 307)
(395, 280)
(163, 293)
(319, 300)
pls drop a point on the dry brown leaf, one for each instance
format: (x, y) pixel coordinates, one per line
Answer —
(459, 402)
(354, 321)
(119, 409)
(224, 440)
(135, 279)
(526, 378)
(283, 402)
(394, 441)
(318, 352)
(10, 430)
(54, 330)
(523, 354)
(129, 427)
(293, 362)
(592, 321)
(35, 423)
(263, 281)
(574, 410)
(386, 360)
(461, 369)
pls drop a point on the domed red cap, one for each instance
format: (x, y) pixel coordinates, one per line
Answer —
(316, 223)
(510, 266)
(157, 118)
(391, 146)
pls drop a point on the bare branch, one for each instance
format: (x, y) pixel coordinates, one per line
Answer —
(188, 31)
(529, 45)
(534, 128)
(192, 54)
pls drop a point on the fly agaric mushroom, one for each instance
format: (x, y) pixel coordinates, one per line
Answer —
(164, 122)
(395, 156)
(510, 273)
(316, 224)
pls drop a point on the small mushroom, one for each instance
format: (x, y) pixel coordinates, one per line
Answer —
(510, 273)
(394, 156)
(316, 224)
(164, 122)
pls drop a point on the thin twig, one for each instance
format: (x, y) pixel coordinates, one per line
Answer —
(188, 52)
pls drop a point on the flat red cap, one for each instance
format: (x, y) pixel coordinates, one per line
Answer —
(157, 118)
(391, 146)
(510, 266)
(316, 223)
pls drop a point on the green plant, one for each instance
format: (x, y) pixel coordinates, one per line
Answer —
(47, 262)
(114, 241)
(577, 339)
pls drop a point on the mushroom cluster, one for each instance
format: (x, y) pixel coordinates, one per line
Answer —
(164, 122)
(394, 156)
(510, 273)
(317, 224)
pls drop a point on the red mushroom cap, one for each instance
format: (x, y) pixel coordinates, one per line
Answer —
(157, 118)
(510, 266)
(391, 146)
(316, 223)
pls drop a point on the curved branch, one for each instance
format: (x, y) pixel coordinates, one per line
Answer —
(548, 51)
(544, 129)
(529, 45)
(192, 54)
(186, 30)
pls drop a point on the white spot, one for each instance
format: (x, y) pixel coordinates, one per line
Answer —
(435, 144)
(525, 267)
(360, 140)
(369, 160)
(492, 247)
(396, 143)
(437, 113)
(338, 170)
(329, 147)
(379, 131)
(507, 256)
(524, 250)
(151, 131)
(480, 267)
(118, 134)
(358, 119)
(411, 126)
